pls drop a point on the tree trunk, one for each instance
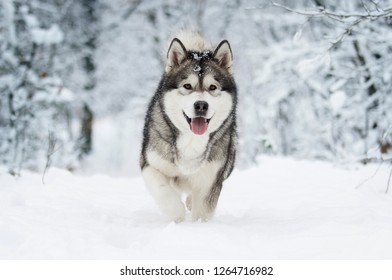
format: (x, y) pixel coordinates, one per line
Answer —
(86, 132)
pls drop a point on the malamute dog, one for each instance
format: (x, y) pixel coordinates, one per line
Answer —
(189, 137)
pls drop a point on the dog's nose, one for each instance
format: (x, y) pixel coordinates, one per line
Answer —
(201, 107)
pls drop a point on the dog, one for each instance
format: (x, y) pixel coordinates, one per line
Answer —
(189, 135)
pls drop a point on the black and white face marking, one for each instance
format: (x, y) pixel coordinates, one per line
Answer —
(200, 91)
(174, 158)
(198, 105)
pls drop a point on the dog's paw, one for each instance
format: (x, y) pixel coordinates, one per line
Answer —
(203, 216)
(174, 209)
(179, 220)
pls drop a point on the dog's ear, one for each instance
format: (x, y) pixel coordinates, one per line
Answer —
(175, 55)
(224, 56)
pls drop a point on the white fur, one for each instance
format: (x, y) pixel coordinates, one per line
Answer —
(200, 183)
(191, 172)
(161, 164)
(193, 40)
(167, 191)
(178, 101)
(191, 148)
(167, 198)
(194, 175)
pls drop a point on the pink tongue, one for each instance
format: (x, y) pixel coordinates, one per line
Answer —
(199, 125)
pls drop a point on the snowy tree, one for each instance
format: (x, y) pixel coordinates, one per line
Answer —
(38, 110)
(358, 75)
(329, 79)
(313, 76)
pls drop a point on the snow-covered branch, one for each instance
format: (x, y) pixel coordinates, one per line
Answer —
(350, 19)
(322, 12)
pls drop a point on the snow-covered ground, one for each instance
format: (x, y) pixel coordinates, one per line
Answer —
(281, 209)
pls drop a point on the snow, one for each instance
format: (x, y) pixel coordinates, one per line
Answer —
(280, 209)
(112, 155)
(309, 66)
(197, 68)
(205, 55)
(337, 100)
(8, 17)
(52, 35)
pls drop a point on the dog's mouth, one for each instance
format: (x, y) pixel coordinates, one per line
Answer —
(198, 125)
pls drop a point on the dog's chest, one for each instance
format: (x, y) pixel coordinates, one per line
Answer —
(191, 153)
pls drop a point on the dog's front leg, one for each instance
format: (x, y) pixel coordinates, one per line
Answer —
(167, 198)
(203, 202)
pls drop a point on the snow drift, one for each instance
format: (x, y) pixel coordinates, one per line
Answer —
(281, 209)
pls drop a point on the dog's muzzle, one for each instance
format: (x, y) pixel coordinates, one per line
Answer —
(199, 124)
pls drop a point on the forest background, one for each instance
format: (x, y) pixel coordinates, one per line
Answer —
(314, 78)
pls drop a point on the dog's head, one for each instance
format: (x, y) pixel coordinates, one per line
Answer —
(200, 92)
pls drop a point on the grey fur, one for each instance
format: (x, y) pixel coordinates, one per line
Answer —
(160, 134)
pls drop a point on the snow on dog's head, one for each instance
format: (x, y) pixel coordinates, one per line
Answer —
(200, 91)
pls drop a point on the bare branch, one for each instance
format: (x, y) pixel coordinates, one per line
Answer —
(376, 6)
(365, 7)
(389, 181)
(371, 177)
(352, 19)
(51, 150)
(321, 12)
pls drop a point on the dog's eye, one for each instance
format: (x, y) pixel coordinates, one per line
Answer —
(212, 87)
(188, 86)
